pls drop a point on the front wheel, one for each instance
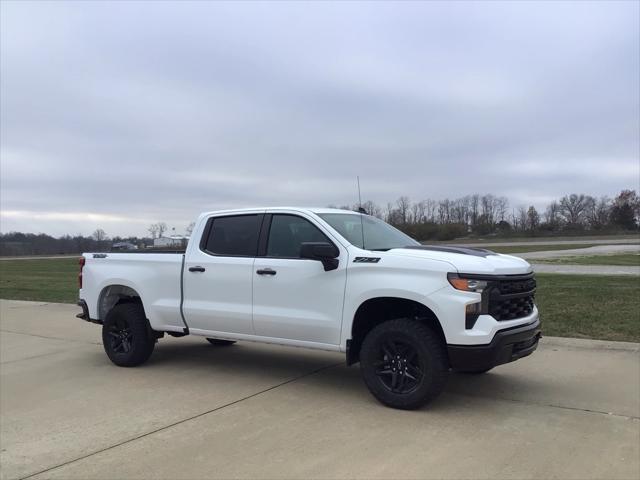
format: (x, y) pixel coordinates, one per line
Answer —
(126, 336)
(404, 363)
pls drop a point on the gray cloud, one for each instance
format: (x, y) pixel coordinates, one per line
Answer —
(117, 114)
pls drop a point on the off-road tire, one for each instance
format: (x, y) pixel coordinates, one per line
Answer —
(428, 354)
(126, 335)
(219, 342)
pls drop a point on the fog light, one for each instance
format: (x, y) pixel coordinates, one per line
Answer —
(473, 309)
(472, 312)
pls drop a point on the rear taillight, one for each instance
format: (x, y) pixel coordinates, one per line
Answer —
(81, 261)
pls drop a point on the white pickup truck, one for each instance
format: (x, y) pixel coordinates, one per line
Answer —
(320, 278)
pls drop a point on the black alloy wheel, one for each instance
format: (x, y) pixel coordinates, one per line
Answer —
(120, 336)
(404, 363)
(127, 336)
(399, 368)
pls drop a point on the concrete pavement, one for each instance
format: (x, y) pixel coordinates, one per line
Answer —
(572, 410)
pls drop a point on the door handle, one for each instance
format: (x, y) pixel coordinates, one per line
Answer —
(196, 269)
(266, 271)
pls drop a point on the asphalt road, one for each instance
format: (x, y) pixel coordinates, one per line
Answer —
(572, 410)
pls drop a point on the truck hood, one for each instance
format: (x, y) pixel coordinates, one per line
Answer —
(467, 259)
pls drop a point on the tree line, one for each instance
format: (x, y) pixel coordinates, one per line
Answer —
(18, 243)
(447, 219)
(482, 215)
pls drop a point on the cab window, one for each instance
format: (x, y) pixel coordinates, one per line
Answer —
(288, 233)
(233, 236)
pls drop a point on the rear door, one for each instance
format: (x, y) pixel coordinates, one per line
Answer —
(218, 274)
(295, 298)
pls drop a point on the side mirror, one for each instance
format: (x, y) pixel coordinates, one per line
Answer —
(321, 251)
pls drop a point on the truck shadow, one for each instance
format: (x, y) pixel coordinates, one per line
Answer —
(324, 372)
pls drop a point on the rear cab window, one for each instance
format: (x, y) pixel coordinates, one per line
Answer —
(234, 236)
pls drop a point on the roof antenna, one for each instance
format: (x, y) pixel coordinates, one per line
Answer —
(361, 211)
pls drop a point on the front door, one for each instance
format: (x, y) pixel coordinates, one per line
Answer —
(218, 275)
(295, 298)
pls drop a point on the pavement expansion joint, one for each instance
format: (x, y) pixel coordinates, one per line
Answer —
(552, 405)
(193, 417)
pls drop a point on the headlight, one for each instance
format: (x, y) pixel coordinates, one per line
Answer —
(466, 284)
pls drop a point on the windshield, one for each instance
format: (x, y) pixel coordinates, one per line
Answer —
(378, 235)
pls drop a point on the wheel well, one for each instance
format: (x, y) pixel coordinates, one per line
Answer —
(377, 310)
(114, 295)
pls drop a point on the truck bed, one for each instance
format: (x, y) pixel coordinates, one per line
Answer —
(155, 276)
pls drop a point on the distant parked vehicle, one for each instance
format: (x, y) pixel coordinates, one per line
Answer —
(123, 246)
(325, 279)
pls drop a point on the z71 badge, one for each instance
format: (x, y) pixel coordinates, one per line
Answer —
(366, 260)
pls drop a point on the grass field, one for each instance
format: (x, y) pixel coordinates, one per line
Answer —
(585, 306)
(54, 280)
(623, 259)
(590, 306)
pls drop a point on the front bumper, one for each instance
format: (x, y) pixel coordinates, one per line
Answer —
(507, 346)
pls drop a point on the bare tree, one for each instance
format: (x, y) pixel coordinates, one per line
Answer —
(99, 235)
(403, 208)
(415, 214)
(444, 214)
(600, 213)
(574, 208)
(474, 206)
(372, 209)
(533, 219)
(388, 215)
(502, 205)
(487, 207)
(521, 221)
(162, 227)
(430, 207)
(457, 211)
(552, 214)
(190, 228)
(420, 212)
(153, 230)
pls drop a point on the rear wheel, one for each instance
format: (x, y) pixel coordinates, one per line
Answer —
(126, 335)
(404, 363)
(219, 342)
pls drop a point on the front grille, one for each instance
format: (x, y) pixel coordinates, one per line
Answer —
(510, 299)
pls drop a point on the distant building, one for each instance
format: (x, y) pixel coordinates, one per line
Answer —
(124, 246)
(171, 241)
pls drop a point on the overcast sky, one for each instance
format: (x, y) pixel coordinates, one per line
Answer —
(119, 114)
